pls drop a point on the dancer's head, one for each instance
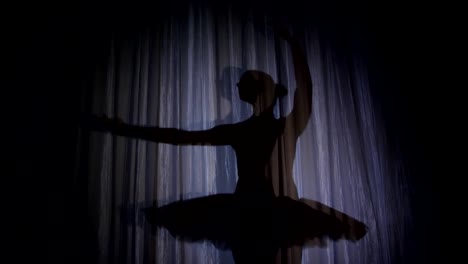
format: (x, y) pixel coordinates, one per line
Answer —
(258, 89)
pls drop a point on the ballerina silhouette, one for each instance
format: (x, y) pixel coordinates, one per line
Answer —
(257, 219)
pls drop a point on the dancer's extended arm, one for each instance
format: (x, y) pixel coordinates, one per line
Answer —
(219, 135)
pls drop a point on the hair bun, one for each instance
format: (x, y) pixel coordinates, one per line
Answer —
(280, 90)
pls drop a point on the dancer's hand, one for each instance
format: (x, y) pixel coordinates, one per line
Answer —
(281, 30)
(100, 123)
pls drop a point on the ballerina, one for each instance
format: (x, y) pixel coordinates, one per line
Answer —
(256, 220)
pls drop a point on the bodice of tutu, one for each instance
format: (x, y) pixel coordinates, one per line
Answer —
(256, 139)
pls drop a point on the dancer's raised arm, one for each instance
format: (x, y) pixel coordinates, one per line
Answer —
(302, 108)
(219, 135)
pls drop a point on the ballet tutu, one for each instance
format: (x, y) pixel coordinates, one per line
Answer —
(231, 219)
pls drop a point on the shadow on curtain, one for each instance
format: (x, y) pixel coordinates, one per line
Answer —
(325, 162)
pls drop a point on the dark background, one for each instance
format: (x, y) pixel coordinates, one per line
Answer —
(50, 52)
